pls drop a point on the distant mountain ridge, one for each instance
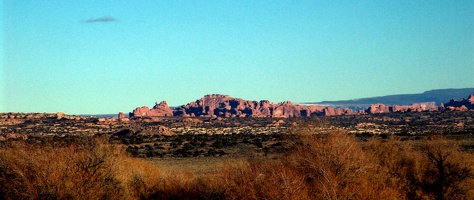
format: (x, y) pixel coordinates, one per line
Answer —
(438, 96)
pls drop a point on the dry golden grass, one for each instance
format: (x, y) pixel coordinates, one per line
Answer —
(59, 172)
(336, 167)
(332, 165)
(262, 180)
(434, 168)
(90, 170)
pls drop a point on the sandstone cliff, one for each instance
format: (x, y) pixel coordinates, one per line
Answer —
(217, 105)
(416, 107)
(461, 105)
(452, 105)
(227, 106)
(159, 110)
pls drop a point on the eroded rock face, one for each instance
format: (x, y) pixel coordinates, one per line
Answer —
(159, 110)
(286, 109)
(378, 108)
(470, 99)
(60, 115)
(461, 105)
(217, 105)
(121, 115)
(416, 107)
(139, 112)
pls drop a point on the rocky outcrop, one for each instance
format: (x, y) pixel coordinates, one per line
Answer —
(227, 106)
(378, 108)
(159, 110)
(217, 105)
(121, 115)
(60, 115)
(452, 105)
(461, 105)
(416, 107)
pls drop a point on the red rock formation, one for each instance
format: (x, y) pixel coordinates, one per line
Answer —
(286, 109)
(315, 110)
(416, 107)
(140, 112)
(121, 115)
(159, 110)
(329, 111)
(470, 99)
(265, 109)
(378, 108)
(424, 106)
(216, 105)
(462, 104)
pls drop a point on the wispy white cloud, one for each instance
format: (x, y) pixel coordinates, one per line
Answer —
(100, 19)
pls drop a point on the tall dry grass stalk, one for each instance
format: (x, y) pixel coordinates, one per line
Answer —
(254, 179)
(323, 165)
(336, 167)
(92, 169)
(48, 171)
(434, 168)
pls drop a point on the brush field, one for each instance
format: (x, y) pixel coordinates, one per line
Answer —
(427, 155)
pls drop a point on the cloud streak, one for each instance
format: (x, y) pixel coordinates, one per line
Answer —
(100, 19)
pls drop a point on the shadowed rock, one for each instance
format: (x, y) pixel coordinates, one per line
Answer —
(461, 105)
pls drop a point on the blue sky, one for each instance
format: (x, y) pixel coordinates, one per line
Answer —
(89, 57)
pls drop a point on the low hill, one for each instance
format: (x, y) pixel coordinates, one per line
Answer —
(438, 96)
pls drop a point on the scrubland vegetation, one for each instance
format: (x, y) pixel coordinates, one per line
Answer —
(331, 165)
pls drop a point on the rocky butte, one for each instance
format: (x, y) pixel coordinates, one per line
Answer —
(416, 107)
(452, 105)
(159, 110)
(217, 105)
(227, 106)
(461, 105)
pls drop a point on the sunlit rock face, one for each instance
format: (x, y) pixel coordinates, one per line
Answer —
(159, 110)
(378, 108)
(121, 115)
(227, 106)
(217, 105)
